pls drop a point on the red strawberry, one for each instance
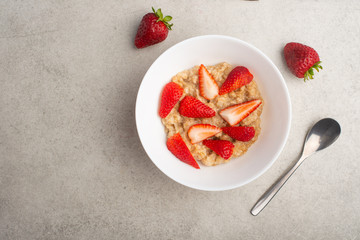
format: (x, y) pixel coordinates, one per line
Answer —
(223, 148)
(153, 29)
(177, 146)
(236, 113)
(207, 85)
(199, 132)
(237, 78)
(242, 133)
(194, 108)
(301, 60)
(169, 97)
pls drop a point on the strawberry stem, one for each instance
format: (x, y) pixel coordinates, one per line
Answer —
(310, 73)
(163, 19)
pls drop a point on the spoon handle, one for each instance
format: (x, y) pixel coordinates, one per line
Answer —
(271, 192)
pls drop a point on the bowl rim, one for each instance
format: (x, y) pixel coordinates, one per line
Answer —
(288, 100)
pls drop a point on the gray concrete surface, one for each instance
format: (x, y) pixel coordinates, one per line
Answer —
(71, 163)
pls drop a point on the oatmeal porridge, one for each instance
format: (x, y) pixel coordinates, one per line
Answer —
(176, 123)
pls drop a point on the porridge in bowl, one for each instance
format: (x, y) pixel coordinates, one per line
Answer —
(216, 111)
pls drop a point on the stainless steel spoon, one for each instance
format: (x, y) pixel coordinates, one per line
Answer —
(320, 136)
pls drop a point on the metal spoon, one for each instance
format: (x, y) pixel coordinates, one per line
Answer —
(320, 136)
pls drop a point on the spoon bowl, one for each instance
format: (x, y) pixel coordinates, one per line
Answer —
(321, 135)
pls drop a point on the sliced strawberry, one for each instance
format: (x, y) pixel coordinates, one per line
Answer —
(199, 132)
(169, 97)
(207, 85)
(241, 133)
(236, 113)
(194, 108)
(177, 146)
(223, 148)
(237, 78)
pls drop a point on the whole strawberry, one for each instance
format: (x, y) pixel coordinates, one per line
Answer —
(302, 60)
(153, 29)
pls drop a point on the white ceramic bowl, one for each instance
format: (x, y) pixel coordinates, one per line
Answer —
(275, 119)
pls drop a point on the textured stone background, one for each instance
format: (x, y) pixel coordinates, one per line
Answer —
(71, 163)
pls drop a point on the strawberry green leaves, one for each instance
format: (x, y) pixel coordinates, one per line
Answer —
(309, 74)
(163, 19)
